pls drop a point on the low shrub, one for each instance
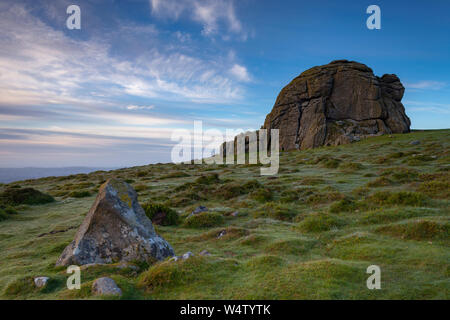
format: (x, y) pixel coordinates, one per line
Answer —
(311, 181)
(30, 196)
(275, 210)
(403, 198)
(319, 222)
(233, 189)
(176, 174)
(204, 220)
(294, 195)
(401, 174)
(417, 230)
(80, 194)
(208, 179)
(140, 187)
(379, 216)
(261, 195)
(161, 214)
(4, 215)
(20, 286)
(141, 174)
(324, 197)
(436, 189)
(351, 166)
(379, 182)
(343, 205)
(331, 163)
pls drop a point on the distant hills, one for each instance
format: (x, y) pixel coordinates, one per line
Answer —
(17, 174)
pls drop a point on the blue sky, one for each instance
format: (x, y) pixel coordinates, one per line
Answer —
(112, 93)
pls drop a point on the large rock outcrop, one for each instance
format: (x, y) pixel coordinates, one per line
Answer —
(115, 229)
(337, 103)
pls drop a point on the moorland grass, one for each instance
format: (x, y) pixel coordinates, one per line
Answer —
(308, 233)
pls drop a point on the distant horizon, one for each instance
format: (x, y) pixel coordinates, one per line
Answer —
(111, 93)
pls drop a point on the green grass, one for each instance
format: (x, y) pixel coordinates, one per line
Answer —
(309, 232)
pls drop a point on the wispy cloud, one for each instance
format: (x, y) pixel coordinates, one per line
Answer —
(426, 84)
(240, 72)
(134, 107)
(91, 99)
(211, 14)
(423, 106)
(41, 65)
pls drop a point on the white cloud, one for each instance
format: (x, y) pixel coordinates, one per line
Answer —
(211, 14)
(134, 107)
(39, 64)
(424, 106)
(426, 84)
(240, 72)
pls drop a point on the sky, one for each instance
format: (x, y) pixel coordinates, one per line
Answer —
(112, 93)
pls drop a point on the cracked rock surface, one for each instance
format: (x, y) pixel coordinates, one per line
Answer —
(115, 229)
(337, 103)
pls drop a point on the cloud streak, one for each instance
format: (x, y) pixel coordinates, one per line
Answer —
(41, 65)
(211, 14)
(426, 85)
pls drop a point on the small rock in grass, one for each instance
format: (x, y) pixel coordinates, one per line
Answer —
(187, 255)
(415, 142)
(221, 234)
(235, 214)
(41, 282)
(198, 210)
(106, 287)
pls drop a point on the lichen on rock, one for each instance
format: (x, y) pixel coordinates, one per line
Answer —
(335, 104)
(115, 229)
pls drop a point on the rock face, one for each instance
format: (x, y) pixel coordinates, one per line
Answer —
(337, 103)
(115, 229)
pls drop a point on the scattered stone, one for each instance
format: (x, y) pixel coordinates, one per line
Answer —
(415, 142)
(115, 229)
(204, 253)
(198, 210)
(235, 214)
(187, 255)
(337, 103)
(221, 234)
(41, 282)
(106, 287)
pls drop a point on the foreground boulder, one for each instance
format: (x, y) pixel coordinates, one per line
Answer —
(337, 103)
(115, 229)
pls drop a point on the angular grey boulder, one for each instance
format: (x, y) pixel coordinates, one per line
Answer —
(105, 287)
(115, 229)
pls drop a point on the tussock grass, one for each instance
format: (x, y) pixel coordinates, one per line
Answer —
(308, 233)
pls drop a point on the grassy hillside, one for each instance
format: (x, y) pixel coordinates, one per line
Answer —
(308, 233)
